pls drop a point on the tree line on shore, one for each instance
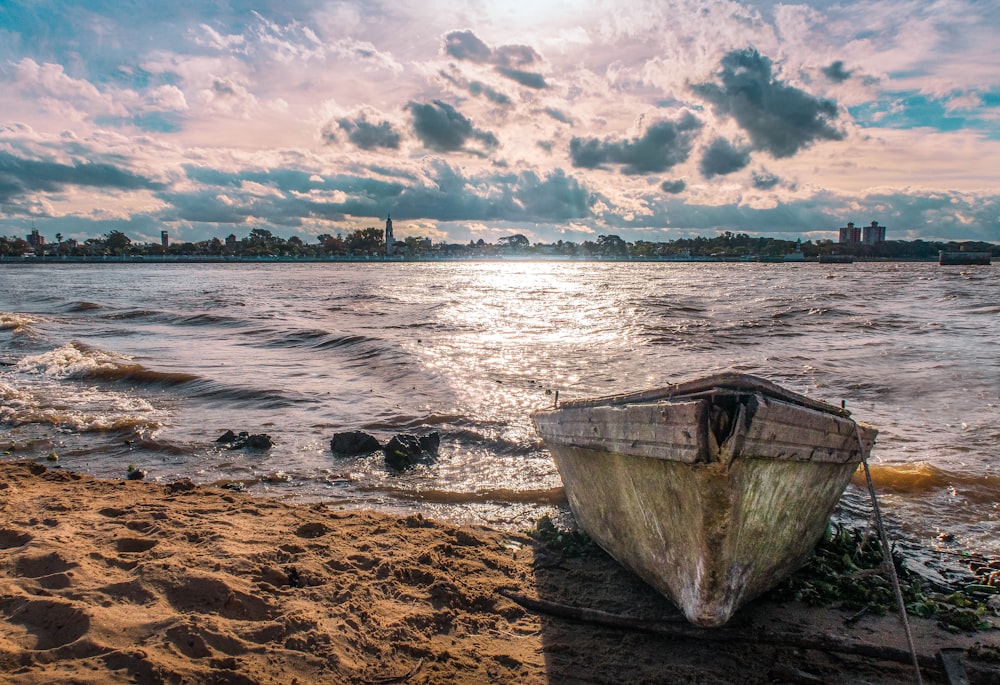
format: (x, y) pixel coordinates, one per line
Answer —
(370, 242)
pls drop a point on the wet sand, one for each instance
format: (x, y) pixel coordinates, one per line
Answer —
(130, 581)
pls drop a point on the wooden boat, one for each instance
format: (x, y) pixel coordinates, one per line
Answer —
(712, 490)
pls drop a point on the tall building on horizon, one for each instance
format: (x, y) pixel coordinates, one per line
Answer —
(869, 235)
(35, 239)
(850, 233)
(873, 234)
(388, 235)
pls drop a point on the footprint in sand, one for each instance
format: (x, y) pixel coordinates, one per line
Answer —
(48, 623)
(48, 570)
(112, 512)
(10, 538)
(198, 641)
(134, 545)
(312, 530)
(203, 594)
(132, 591)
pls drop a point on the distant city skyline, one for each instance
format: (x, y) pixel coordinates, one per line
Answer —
(555, 120)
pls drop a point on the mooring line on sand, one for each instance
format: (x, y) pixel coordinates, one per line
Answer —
(887, 558)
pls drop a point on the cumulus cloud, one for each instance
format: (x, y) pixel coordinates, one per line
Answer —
(443, 128)
(490, 93)
(451, 195)
(54, 90)
(673, 187)
(663, 145)
(525, 78)
(20, 176)
(508, 60)
(205, 206)
(466, 45)
(554, 197)
(764, 179)
(558, 115)
(722, 157)
(168, 98)
(52, 80)
(836, 72)
(365, 134)
(778, 118)
(516, 56)
(445, 193)
(364, 53)
(477, 88)
(226, 96)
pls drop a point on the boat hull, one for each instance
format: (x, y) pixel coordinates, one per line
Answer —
(709, 519)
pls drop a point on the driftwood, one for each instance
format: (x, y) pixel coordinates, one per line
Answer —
(682, 630)
(951, 664)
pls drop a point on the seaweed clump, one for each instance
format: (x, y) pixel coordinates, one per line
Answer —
(847, 571)
(567, 542)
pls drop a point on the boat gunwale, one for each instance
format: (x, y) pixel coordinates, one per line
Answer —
(722, 383)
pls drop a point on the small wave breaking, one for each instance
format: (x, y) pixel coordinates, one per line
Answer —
(78, 361)
(87, 412)
(921, 478)
(15, 322)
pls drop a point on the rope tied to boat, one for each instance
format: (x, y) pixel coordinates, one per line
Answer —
(887, 558)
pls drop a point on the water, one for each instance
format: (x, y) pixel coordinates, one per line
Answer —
(146, 365)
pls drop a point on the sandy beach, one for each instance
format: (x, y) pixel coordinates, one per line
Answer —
(133, 581)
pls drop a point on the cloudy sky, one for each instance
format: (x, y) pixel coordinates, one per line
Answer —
(556, 119)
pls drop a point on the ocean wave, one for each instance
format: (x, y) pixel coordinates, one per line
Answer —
(312, 338)
(78, 361)
(989, 310)
(15, 322)
(920, 478)
(239, 396)
(207, 320)
(90, 413)
(82, 306)
(333, 342)
(132, 314)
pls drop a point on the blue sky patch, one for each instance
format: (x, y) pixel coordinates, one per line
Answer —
(913, 110)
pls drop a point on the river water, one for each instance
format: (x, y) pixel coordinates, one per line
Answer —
(111, 365)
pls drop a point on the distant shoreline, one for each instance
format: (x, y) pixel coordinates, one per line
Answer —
(204, 259)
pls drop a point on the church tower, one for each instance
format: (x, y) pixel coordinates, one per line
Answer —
(388, 236)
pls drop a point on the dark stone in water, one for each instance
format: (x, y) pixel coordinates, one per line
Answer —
(406, 450)
(430, 442)
(354, 442)
(257, 441)
(227, 438)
